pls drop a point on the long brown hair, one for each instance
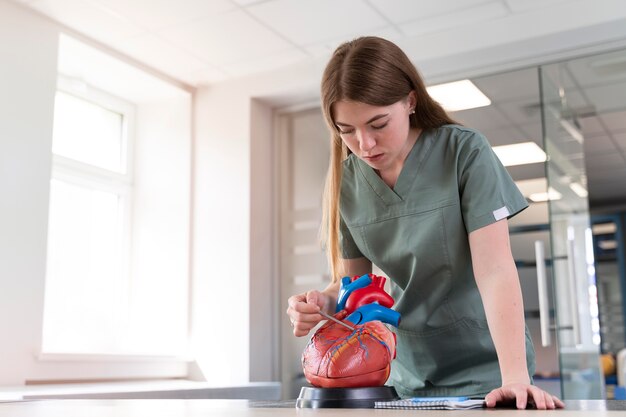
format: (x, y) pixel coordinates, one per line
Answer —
(377, 72)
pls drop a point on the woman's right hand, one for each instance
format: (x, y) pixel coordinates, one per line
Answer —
(303, 311)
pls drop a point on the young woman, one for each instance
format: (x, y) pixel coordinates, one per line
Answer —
(427, 201)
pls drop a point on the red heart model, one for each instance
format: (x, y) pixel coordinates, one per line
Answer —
(373, 293)
(338, 357)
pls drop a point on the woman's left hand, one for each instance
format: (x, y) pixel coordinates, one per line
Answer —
(521, 395)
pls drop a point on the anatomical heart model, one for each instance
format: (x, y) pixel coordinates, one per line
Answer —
(337, 356)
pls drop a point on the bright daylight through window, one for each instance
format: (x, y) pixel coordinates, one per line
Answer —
(116, 300)
(87, 297)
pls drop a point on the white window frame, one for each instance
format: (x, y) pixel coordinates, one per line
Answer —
(105, 366)
(91, 94)
(90, 176)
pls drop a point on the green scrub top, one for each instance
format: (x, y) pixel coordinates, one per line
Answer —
(451, 184)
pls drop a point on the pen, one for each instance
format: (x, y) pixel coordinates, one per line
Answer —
(329, 317)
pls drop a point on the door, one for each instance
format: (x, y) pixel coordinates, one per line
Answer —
(572, 272)
(304, 154)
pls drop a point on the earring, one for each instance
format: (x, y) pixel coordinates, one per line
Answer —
(412, 111)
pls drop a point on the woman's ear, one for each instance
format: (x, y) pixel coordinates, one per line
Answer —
(412, 100)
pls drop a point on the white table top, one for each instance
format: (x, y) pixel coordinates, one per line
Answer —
(244, 408)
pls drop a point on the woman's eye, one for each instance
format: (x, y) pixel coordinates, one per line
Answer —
(378, 127)
(345, 132)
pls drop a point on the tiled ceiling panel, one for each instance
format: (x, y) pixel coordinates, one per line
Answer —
(525, 5)
(266, 63)
(246, 38)
(522, 111)
(310, 22)
(608, 98)
(455, 19)
(620, 139)
(83, 65)
(599, 145)
(527, 171)
(399, 11)
(600, 70)
(615, 120)
(326, 48)
(89, 18)
(485, 118)
(158, 14)
(605, 161)
(511, 85)
(599, 177)
(161, 54)
(507, 135)
(591, 126)
(533, 131)
(247, 2)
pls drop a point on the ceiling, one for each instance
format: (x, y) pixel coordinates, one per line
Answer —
(202, 42)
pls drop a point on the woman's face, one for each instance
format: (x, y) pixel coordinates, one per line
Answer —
(379, 135)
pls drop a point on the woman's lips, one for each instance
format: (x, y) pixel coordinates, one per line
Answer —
(373, 158)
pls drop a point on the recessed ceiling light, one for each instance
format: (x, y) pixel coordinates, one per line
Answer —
(607, 244)
(604, 228)
(520, 154)
(531, 186)
(552, 194)
(579, 189)
(458, 95)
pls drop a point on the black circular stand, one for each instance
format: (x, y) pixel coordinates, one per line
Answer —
(313, 397)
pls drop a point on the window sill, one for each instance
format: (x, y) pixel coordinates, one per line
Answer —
(109, 357)
(157, 389)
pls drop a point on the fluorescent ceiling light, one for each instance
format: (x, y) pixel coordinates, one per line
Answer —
(552, 194)
(607, 244)
(520, 154)
(458, 95)
(532, 186)
(579, 189)
(604, 228)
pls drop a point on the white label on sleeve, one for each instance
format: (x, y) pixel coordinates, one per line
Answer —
(501, 213)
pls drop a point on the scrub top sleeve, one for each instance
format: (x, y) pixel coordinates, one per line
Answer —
(349, 249)
(486, 189)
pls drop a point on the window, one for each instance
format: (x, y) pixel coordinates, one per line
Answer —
(116, 285)
(88, 292)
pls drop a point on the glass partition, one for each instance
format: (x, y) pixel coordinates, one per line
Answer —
(573, 271)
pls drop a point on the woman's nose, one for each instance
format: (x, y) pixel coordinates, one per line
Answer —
(366, 141)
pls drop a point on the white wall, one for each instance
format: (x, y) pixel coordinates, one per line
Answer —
(28, 57)
(263, 283)
(230, 220)
(161, 224)
(220, 261)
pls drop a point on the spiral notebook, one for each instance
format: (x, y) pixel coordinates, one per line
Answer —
(432, 403)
